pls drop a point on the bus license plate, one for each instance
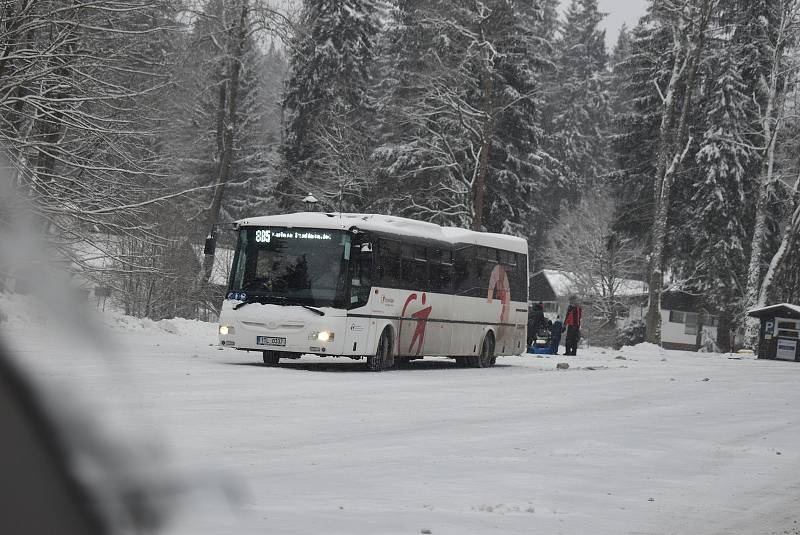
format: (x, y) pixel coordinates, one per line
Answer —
(270, 341)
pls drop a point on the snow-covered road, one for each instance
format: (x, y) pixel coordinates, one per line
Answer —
(623, 442)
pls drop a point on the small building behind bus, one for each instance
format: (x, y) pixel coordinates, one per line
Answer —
(779, 334)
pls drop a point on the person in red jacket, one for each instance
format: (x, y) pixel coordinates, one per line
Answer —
(573, 324)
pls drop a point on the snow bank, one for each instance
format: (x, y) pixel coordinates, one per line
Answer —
(16, 309)
(176, 326)
(645, 348)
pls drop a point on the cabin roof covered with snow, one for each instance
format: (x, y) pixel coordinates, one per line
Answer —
(389, 224)
(784, 310)
(562, 285)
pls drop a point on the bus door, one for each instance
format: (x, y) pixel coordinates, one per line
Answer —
(359, 329)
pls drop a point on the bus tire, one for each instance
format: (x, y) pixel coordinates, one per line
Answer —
(486, 359)
(383, 353)
(271, 358)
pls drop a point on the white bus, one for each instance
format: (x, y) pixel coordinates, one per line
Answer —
(384, 288)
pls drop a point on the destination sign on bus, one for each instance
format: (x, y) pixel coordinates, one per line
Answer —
(266, 235)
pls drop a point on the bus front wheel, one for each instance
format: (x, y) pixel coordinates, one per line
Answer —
(271, 358)
(383, 354)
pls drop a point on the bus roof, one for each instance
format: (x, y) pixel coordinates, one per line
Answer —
(400, 226)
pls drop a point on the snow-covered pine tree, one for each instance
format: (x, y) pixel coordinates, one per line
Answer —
(575, 114)
(578, 111)
(714, 257)
(756, 30)
(771, 34)
(518, 167)
(328, 110)
(196, 131)
(641, 63)
(420, 162)
(549, 178)
(458, 112)
(255, 170)
(782, 279)
(544, 17)
(689, 23)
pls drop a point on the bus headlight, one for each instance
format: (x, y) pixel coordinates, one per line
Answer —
(226, 329)
(324, 336)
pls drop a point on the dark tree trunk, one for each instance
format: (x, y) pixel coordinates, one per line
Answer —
(701, 321)
(479, 187)
(228, 133)
(724, 327)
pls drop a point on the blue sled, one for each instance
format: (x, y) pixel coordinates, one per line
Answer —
(540, 351)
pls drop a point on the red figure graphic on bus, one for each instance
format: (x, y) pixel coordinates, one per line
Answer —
(421, 317)
(499, 287)
(422, 323)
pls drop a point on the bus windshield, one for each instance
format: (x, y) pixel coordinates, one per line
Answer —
(297, 266)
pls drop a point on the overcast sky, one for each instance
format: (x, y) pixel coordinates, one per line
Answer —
(619, 12)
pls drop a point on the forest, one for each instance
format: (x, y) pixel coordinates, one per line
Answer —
(132, 130)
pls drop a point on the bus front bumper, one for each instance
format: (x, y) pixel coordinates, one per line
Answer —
(290, 331)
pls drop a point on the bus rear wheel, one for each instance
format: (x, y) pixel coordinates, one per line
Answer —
(383, 354)
(486, 359)
(271, 358)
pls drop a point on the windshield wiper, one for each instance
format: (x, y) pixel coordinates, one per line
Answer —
(262, 299)
(314, 310)
(274, 299)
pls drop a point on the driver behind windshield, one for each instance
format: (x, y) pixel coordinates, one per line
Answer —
(277, 271)
(270, 268)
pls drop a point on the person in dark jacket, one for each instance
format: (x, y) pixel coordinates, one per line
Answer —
(535, 319)
(555, 336)
(572, 322)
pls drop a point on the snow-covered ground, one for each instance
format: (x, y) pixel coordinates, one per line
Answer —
(638, 441)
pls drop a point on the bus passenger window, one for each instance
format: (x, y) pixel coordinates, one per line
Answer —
(444, 256)
(508, 258)
(447, 257)
(440, 277)
(415, 274)
(464, 269)
(480, 270)
(486, 253)
(389, 263)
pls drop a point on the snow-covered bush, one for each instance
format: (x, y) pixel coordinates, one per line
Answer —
(631, 334)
